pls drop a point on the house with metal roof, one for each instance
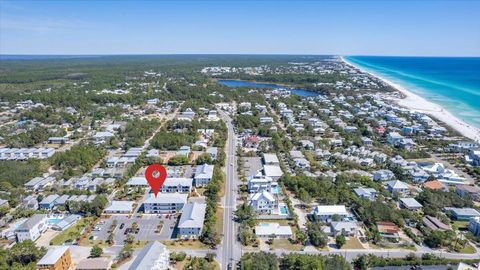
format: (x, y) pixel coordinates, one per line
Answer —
(119, 207)
(66, 223)
(57, 258)
(410, 204)
(327, 212)
(203, 175)
(263, 202)
(191, 222)
(32, 228)
(275, 230)
(153, 256)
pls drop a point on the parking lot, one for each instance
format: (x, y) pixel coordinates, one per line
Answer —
(147, 228)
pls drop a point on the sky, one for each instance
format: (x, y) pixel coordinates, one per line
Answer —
(403, 28)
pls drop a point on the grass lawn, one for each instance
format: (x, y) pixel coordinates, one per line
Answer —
(72, 233)
(468, 249)
(184, 245)
(219, 222)
(181, 265)
(353, 243)
(285, 244)
(460, 225)
(90, 243)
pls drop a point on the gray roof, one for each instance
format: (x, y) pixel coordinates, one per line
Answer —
(464, 211)
(193, 215)
(410, 202)
(147, 256)
(53, 255)
(32, 221)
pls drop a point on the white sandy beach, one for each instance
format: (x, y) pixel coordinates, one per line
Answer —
(419, 104)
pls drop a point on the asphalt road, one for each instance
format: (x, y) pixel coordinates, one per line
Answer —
(229, 250)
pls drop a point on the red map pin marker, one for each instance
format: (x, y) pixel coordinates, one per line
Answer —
(156, 175)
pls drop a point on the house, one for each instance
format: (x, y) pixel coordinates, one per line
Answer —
(394, 138)
(57, 140)
(263, 202)
(184, 151)
(307, 144)
(187, 115)
(474, 226)
(367, 141)
(56, 258)
(273, 171)
(397, 186)
(30, 202)
(3, 203)
(164, 203)
(410, 204)
(474, 157)
(388, 230)
(270, 159)
(251, 142)
(94, 264)
(266, 120)
(435, 224)
(203, 175)
(345, 228)
(102, 137)
(191, 222)
(273, 230)
(66, 223)
(463, 214)
(49, 201)
(153, 256)
(212, 151)
(119, 207)
(328, 212)
(465, 191)
(435, 185)
(258, 183)
(302, 163)
(32, 228)
(366, 193)
(383, 175)
(173, 184)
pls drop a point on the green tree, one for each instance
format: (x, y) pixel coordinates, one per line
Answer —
(340, 240)
(96, 251)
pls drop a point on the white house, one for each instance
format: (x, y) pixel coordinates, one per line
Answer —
(191, 222)
(119, 207)
(326, 212)
(263, 202)
(203, 175)
(398, 186)
(32, 228)
(153, 256)
(275, 230)
(164, 203)
(366, 193)
(410, 204)
(344, 227)
(258, 183)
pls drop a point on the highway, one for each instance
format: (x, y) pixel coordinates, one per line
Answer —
(229, 250)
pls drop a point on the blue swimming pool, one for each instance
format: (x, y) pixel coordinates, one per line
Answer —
(53, 221)
(283, 210)
(275, 190)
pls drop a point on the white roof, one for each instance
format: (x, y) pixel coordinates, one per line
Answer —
(53, 255)
(204, 171)
(137, 181)
(330, 210)
(123, 206)
(193, 215)
(273, 229)
(270, 158)
(167, 198)
(178, 181)
(272, 170)
(410, 202)
(264, 194)
(396, 184)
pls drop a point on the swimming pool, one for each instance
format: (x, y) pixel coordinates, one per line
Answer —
(275, 190)
(283, 209)
(53, 221)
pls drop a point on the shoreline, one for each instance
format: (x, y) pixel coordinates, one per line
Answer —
(417, 103)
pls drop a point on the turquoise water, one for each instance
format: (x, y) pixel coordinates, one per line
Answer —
(452, 82)
(283, 210)
(239, 83)
(53, 221)
(275, 190)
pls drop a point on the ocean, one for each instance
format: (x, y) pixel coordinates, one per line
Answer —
(451, 82)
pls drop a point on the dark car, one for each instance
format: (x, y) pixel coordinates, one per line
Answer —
(122, 225)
